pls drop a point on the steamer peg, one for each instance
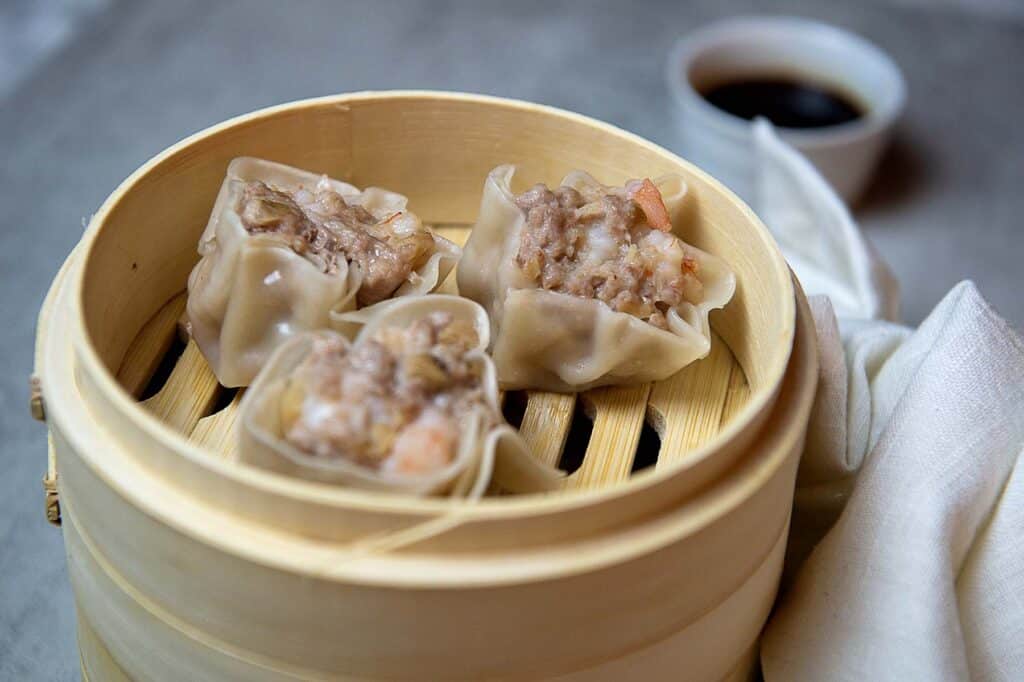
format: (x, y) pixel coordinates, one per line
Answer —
(38, 409)
(52, 496)
(35, 399)
(52, 501)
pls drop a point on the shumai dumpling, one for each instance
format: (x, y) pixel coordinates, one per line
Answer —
(287, 251)
(588, 285)
(410, 406)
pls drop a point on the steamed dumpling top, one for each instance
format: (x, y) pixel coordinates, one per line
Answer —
(288, 251)
(318, 224)
(391, 403)
(590, 285)
(613, 244)
(410, 405)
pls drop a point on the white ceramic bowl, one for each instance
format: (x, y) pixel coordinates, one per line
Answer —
(803, 49)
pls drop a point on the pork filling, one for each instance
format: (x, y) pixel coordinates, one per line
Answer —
(611, 244)
(323, 228)
(393, 403)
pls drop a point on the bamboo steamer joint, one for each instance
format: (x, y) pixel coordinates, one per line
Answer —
(190, 565)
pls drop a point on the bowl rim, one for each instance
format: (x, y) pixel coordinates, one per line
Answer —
(688, 47)
(336, 497)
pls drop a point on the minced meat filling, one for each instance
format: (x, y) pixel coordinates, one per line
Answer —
(393, 402)
(323, 228)
(613, 245)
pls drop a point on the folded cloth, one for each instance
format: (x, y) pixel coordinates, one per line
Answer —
(816, 233)
(913, 470)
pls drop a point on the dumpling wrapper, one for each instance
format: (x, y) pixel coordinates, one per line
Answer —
(482, 455)
(249, 293)
(558, 342)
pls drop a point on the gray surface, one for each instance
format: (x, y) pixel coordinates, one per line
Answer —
(140, 76)
(32, 30)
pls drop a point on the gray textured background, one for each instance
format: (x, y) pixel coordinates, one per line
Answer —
(90, 89)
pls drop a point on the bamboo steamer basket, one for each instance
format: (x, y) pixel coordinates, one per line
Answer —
(189, 565)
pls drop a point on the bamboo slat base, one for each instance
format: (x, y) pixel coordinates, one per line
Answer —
(686, 410)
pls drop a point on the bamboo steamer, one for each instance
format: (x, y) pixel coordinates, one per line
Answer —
(188, 565)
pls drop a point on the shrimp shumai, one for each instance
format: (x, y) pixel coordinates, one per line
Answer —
(411, 405)
(287, 251)
(589, 285)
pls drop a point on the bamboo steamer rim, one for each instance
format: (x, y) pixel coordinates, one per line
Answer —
(104, 382)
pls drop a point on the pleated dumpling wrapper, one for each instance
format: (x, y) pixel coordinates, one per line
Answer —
(411, 405)
(588, 285)
(287, 251)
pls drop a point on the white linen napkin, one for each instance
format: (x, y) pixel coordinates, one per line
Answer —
(913, 471)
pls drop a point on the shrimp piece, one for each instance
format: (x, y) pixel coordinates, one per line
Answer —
(425, 445)
(648, 198)
(693, 287)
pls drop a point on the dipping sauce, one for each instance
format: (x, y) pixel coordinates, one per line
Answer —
(783, 101)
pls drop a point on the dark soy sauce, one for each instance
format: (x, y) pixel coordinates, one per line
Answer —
(786, 103)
